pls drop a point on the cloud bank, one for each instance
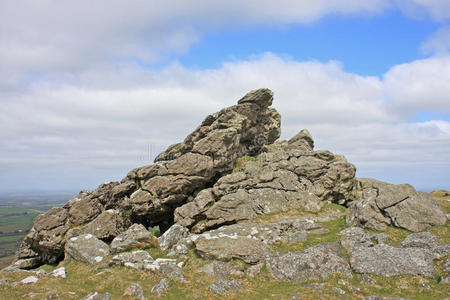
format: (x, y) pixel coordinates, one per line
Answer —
(104, 122)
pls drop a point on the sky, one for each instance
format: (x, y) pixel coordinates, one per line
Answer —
(91, 89)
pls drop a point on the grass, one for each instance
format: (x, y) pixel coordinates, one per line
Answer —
(83, 279)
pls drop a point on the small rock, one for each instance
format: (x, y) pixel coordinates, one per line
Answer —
(343, 282)
(173, 271)
(4, 281)
(254, 270)
(135, 291)
(32, 295)
(41, 273)
(425, 285)
(52, 297)
(339, 290)
(222, 286)
(366, 279)
(97, 296)
(60, 272)
(161, 287)
(221, 270)
(30, 279)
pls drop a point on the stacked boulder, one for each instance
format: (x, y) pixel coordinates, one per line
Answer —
(149, 195)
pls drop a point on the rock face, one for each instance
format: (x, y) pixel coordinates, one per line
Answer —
(148, 195)
(134, 236)
(386, 260)
(382, 204)
(287, 175)
(86, 248)
(317, 262)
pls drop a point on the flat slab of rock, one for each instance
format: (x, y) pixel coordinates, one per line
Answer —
(59, 273)
(97, 296)
(136, 235)
(86, 248)
(29, 279)
(386, 260)
(426, 240)
(317, 262)
(221, 269)
(222, 286)
(161, 287)
(354, 237)
(136, 259)
(226, 248)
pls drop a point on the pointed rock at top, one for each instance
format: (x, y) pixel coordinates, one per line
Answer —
(261, 97)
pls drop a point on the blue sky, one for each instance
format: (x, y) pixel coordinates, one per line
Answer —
(91, 90)
(368, 45)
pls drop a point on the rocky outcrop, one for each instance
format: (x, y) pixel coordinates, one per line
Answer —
(382, 204)
(287, 175)
(149, 195)
(317, 262)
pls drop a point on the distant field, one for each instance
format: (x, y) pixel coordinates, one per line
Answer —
(16, 219)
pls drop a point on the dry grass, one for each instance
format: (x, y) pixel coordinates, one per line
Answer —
(83, 279)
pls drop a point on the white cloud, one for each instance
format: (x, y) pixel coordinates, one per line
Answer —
(71, 36)
(100, 124)
(422, 85)
(439, 42)
(437, 9)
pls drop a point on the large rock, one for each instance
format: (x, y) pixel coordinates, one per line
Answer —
(221, 270)
(134, 236)
(317, 262)
(381, 204)
(386, 260)
(225, 248)
(105, 227)
(149, 194)
(172, 236)
(86, 248)
(426, 240)
(287, 175)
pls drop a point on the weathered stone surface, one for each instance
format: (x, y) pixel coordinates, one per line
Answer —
(426, 240)
(254, 270)
(134, 291)
(4, 281)
(183, 245)
(86, 248)
(134, 236)
(287, 175)
(149, 194)
(161, 287)
(289, 229)
(97, 296)
(386, 260)
(173, 235)
(355, 237)
(107, 225)
(136, 259)
(26, 264)
(221, 270)
(226, 248)
(29, 279)
(381, 204)
(317, 262)
(222, 286)
(172, 270)
(59, 273)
